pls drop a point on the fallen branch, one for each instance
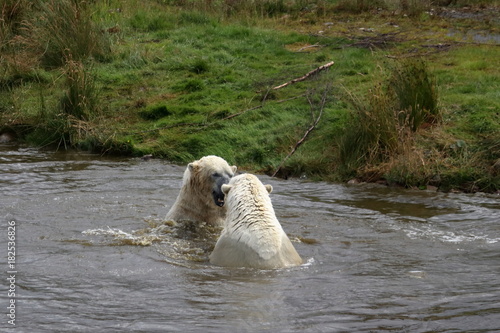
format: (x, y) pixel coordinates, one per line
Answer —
(302, 78)
(309, 130)
(241, 112)
(308, 47)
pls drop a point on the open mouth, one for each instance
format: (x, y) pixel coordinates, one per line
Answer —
(219, 202)
(218, 198)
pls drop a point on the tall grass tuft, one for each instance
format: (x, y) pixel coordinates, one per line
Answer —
(14, 61)
(382, 127)
(80, 101)
(371, 134)
(65, 31)
(51, 31)
(54, 34)
(48, 33)
(12, 13)
(415, 91)
(69, 121)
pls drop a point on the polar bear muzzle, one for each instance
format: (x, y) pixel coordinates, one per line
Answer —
(217, 193)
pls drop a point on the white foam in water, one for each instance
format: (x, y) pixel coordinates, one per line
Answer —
(109, 232)
(417, 274)
(447, 236)
(308, 263)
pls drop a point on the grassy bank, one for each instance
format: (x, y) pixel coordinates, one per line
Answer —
(412, 97)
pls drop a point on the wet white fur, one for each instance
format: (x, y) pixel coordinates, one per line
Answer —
(195, 201)
(252, 235)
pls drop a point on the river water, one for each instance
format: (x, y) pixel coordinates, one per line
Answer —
(93, 255)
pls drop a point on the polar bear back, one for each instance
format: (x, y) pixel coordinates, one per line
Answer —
(252, 235)
(231, 252)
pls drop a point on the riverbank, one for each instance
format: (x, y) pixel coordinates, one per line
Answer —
(180, 82)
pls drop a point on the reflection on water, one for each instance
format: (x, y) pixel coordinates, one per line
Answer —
(95, 254)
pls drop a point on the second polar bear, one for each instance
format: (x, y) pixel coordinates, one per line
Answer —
(200, 198)
(252, 235)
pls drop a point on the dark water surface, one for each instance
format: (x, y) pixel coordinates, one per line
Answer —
(92, 255)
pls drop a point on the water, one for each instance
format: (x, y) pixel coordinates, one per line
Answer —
(476, 36)
(93, 255)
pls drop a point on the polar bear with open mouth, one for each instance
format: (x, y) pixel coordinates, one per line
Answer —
(201, 198)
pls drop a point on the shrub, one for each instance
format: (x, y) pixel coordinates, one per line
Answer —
(415, 91)
(381, 128)
(12, 13)
(371, 133)
(15, 63)
(413, 166)
(64, 30)
(80, 99)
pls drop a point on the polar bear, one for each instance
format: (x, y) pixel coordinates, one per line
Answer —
(200, 198)
(252, 235)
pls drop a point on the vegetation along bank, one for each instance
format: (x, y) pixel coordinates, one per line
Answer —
(403, 92)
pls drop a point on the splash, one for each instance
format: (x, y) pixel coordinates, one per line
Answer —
(309, 262)
(120, 237)
(177, 241)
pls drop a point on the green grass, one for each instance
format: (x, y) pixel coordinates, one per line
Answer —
(185, 79)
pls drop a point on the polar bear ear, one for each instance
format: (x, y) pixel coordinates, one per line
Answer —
(234, 168)
(225, 188)
(192, 166)
(269, 188)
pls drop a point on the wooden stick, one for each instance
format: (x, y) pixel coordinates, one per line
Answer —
(302, 78)
(309, 130)
(308, 47)
(241, 112)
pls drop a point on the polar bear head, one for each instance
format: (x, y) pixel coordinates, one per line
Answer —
(246, 184)
(207, 175)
